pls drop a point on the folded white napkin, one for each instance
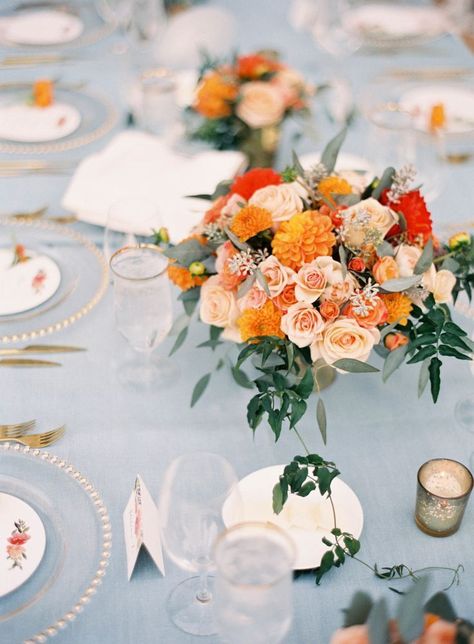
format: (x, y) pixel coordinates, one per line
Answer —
(135, 164)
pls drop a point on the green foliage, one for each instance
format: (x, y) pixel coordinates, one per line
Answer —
(331, 151)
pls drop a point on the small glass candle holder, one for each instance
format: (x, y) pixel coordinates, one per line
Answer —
(443, 491)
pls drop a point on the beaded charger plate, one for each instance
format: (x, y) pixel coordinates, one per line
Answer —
(78, 544)
(84, 277)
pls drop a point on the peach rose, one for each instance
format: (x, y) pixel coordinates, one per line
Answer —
(384, 269)
(283, 201)
(406, 258)
(310, 283)
(377, 314)
(329, 310)
(255, 298)
(218, 305)
(291, 86)
(232, 206)
(276, 275)
(376, 216)
(395, 340)
(338, 289)
(227, 279)
(260, 104)
(440, 632)
(443, 285)
(302, 323)
(286, 298)
(344, 338)
(351, 635)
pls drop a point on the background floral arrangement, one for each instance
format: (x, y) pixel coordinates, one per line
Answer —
(416, 622)
(242, 104)
(312, 272)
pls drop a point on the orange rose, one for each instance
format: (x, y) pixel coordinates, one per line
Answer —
(395, 340)
(227, 278)
(329, 310)
(286, 298)
(376, 314)
(385, 269)
(357, 264)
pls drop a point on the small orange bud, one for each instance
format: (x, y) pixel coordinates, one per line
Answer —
(395, 340)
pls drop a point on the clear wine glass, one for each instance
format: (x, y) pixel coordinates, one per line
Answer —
(254, 583)
(130, 221)
(143, 312)
(194, 490)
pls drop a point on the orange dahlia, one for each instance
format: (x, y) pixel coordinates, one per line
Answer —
(399, 307)
(333, 185)
(183, 278)
(251, 220)
(253, 180)
(214, 95)
(416, 214)
(254, 323)
(255, 66)
(302, 238)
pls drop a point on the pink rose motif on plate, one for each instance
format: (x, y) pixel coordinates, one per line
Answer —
(16, 550)
(38, 281)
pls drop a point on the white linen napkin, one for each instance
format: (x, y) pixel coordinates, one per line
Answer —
(135, 164)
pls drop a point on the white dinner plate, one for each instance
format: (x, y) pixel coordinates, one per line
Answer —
(26, 285)
(25, 123)
(22, 542)
(379, 22)
(48, 27)
(307, 520)
(357, 170)
(458, 104)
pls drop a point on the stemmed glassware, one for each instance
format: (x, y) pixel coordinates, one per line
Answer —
(254, 583)
(194, 490)
(143, 312)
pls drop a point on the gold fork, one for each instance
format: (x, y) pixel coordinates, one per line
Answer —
(16, 429)
(39, 440)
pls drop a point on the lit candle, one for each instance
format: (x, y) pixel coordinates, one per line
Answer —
(443, 491)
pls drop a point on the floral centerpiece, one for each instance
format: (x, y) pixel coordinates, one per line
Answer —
(242, 104)
(312, 273)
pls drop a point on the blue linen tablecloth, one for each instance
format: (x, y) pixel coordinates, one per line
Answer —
(378, 434)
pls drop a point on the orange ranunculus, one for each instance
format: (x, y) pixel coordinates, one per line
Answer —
(384, 269)
(43, 93)
(333, 213)
(227, 278)
(214, 212)
(253, 180)
(357, 264)
(255, 66)
(183, 278)
(329, 310)
(395, 340)
(333, 185)
(214, 96)
(260, 322)
(376, 313)
(251, 220)
(438, 632)
(302, 238)
(399, 307)
(286, 298)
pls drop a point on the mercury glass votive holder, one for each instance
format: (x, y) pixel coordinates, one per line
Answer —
(443, 490)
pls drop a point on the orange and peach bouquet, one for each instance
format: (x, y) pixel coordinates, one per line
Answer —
(316, 272)
(241, 104)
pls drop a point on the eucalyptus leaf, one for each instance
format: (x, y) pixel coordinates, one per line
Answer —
(263, 282)
(451, 264)
(245, 287)
(179, 340)
(235, 240)
(321, 418)
(359, 610)
(354, 366)
(440, 605)
(385, 249)
(385, 182)
(393, 361)
(423, 377)
(297, 164)
(277, 499)
(331, 151)
(343, 260)
(188, 252)
(378, 623)
(410, 613)
(388, 329)
(400, 284)
(425, 260)
(200, 388)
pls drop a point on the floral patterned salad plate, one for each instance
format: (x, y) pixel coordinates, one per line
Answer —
(27, 279)
(22, 542)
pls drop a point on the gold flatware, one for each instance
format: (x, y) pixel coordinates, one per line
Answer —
(63, 219)
(16, 429)
(38, 440)
(40, 59)
(430, 73)
(41, 348)
(32, 214)
(24, 362)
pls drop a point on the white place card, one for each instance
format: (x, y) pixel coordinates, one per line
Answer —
(141, 524)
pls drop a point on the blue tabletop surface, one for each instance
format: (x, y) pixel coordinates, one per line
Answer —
(378, 434)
